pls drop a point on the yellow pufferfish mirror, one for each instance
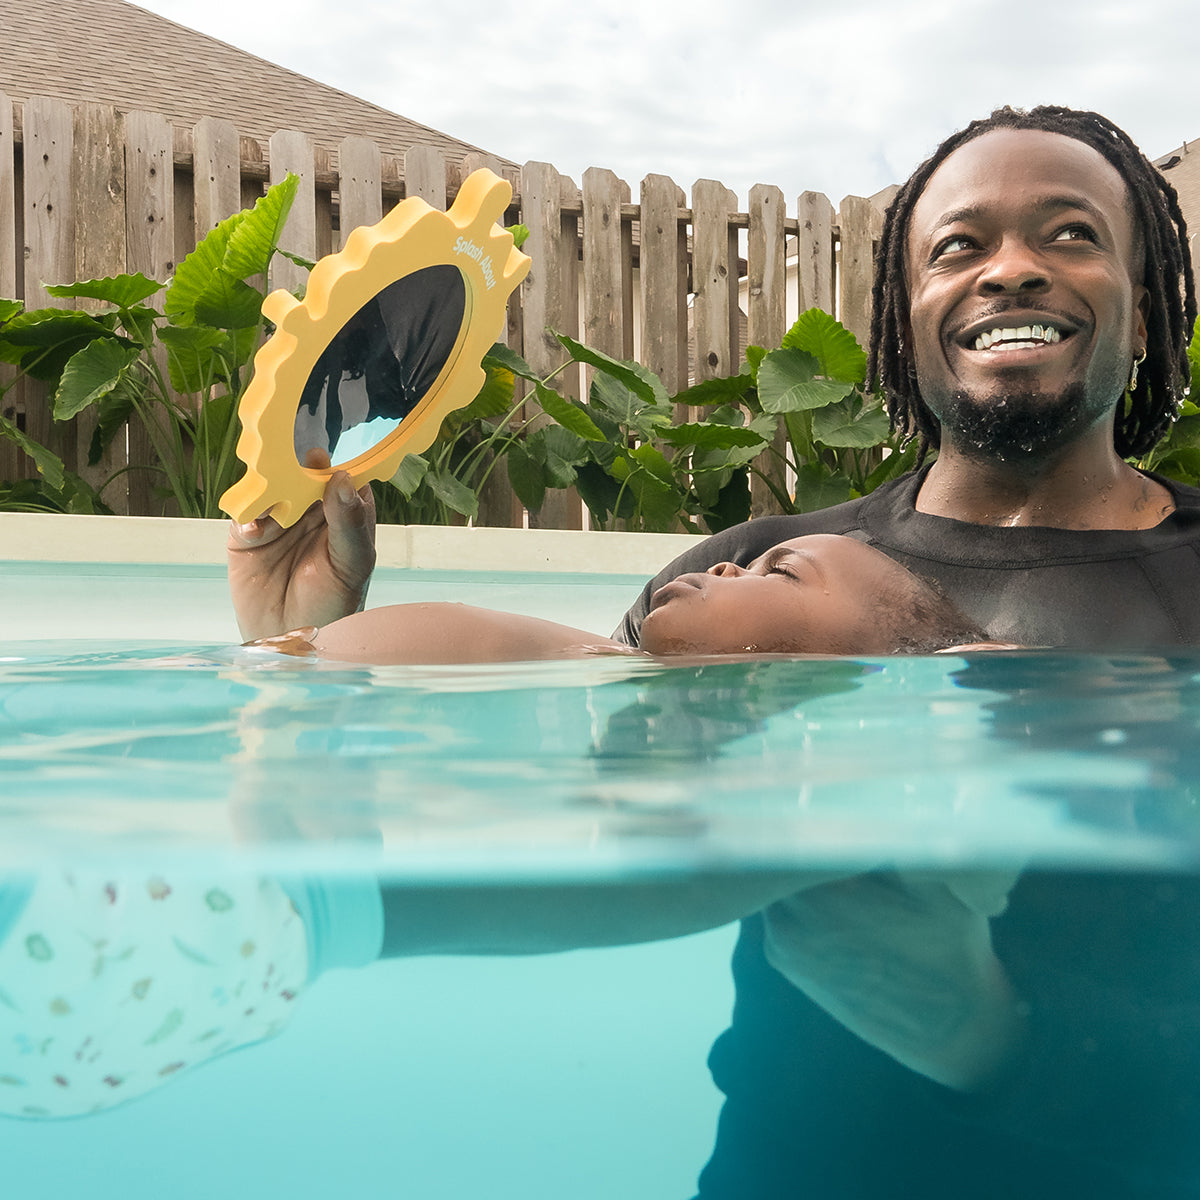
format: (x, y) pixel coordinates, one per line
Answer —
(387, 341)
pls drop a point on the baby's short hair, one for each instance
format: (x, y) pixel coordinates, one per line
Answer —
(924, 620)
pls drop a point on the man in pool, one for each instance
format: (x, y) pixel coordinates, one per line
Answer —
(811, 595)
(1033, 304)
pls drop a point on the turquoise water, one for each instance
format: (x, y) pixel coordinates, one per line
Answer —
(578, 1074)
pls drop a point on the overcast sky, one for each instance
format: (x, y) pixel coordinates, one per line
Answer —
(844, 96)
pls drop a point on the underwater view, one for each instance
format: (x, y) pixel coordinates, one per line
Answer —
(277, 926)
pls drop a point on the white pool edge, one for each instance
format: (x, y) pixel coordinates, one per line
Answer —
(52, 537)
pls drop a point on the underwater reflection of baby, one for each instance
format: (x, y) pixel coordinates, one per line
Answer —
(112, 984)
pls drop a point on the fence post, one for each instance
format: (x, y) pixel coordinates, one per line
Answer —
(149, 248)
(814, 253)
(767, 323)
(49, 159)
(551, 300)
(360, 198)
(12, 464)
(860, 221)
(100, 203)
(663, 267)
(8, 201)
(292, 151)
(498, 504)
(607, 275)
(425, 176)
(216, 173)
(714, 280)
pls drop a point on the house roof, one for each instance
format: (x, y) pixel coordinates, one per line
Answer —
(111, 52)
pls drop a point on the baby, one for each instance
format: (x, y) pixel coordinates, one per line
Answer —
(821, 594)
(111, 984)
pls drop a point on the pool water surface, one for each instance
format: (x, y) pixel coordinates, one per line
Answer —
(579, 1073)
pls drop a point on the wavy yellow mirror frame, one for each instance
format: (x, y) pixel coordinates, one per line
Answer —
(412, 237)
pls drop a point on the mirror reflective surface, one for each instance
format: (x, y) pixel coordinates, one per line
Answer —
(379, 366)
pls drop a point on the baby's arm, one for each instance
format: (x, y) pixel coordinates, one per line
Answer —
(452, 633)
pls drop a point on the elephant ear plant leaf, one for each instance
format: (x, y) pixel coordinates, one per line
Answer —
(180, 372)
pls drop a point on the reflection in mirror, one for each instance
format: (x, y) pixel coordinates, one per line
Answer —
(381, 364)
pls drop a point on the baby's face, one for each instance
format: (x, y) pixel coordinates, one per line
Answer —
(821, 594)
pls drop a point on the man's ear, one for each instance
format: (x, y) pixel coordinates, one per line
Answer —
(1141, 317)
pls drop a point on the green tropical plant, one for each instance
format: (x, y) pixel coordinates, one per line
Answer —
(180, 372)
(634, 464)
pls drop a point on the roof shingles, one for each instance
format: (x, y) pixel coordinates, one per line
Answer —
(112, 52)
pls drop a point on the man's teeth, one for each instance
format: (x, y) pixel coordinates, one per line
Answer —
(1018, 337)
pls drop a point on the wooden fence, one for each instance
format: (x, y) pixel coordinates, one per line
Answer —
(89, 191)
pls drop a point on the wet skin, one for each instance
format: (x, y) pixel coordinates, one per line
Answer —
(819, 594)
(1015, 229)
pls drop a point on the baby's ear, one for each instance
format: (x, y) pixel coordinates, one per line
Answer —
(971, 647)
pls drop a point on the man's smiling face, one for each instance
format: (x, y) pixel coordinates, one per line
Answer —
(1026, 306)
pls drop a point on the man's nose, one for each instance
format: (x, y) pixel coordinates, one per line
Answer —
(1015, 268)
(726, 568)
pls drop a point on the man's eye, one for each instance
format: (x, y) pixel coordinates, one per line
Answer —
(1075, 233)
(953, 245)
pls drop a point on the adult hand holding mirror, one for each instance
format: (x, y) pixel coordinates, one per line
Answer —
(388, 339)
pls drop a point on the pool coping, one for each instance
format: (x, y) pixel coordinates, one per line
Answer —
(55, 537)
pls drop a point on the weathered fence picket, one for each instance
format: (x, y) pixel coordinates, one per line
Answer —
(766, 319)
(93, 192)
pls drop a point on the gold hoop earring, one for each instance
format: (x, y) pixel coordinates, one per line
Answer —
(1137, 362)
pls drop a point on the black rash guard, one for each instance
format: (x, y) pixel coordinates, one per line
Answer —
(1106, 589)
(1106, 1100)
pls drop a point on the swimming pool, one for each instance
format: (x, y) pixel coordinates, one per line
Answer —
(149, 750)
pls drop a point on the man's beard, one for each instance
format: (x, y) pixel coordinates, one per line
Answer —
(1011, 426)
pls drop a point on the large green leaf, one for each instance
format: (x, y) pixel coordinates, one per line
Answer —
(123, 291)
(706, 436)
(49, 465)
(494, 399)
(836, 349)
(194, 358)
(43, 340)
(732, 503)
(527, 476)
(409, 474)
(47, 327)
(194, 275)
(9, 309)
(602, 494)
(255, 239)
(562, 453)
(453, 493)
(728, 390)
(627, 407)
(787, 383)
(818, 487)
(569, 416)
(652, 459)
(638, 379)
(228, 303)
(851, 425)
(510, 360)
(720, 458)
(112, 412)
(91, 373)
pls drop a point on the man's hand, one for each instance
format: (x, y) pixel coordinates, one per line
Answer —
(904, 960)
(312, 574)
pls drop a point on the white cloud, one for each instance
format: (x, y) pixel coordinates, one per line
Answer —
(841, 98)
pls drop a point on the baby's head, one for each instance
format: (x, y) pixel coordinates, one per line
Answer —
(821, 594)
